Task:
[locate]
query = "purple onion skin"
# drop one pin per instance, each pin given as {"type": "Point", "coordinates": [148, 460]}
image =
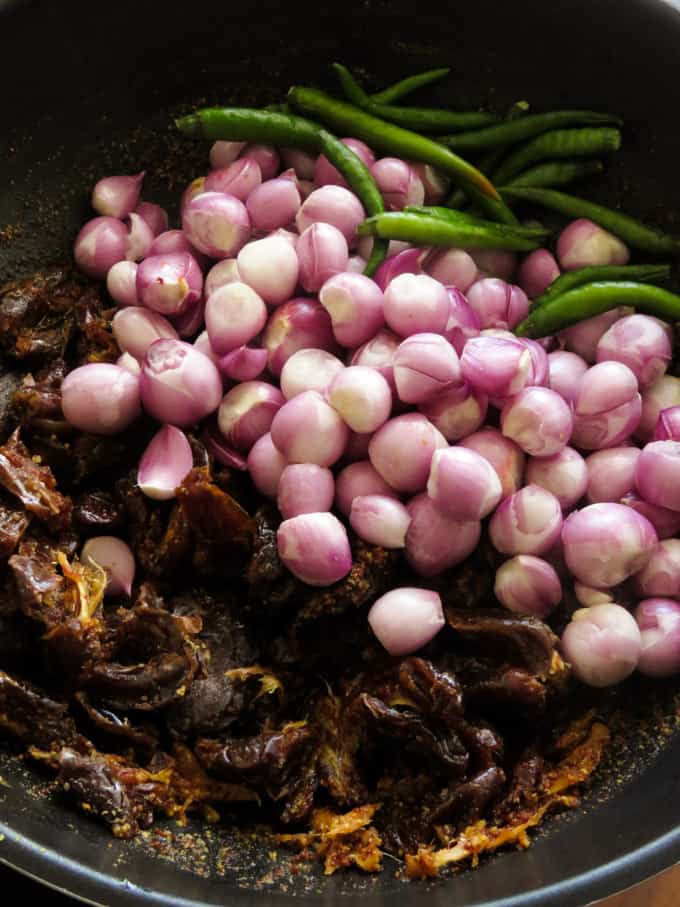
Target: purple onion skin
{"type": "Point", "coordinates": [463, 484]}
{"type": "Point", "coordinates": [169, 284]}
{"type": "Point", "coordinates": [309, 370]}
{"type": "Point", "coordinates": [101, 243]}
{"type": "Point", "coordinates": [322, 253]}
{"type": "Point", "coordinates": [245, 363]}
{"type": "Point", "coordinates": [583, 337]}
{"type": "Point", "coordinates": [273, 204]}
{"type": "Point", "coordinates": [661, 574]}
{"type": "Point", "coordinates": [362, 397]}
{"type": "Point", "coordinates": [266, 158]}
{"type": "Point", "coordinates": [666, 522]}
{"type": "Point", "coordinates": [538, 270]}
{"type": "Point", "coordinates": [406, 619]}
{"type": "Point", "coordinates": [657, 474]}
{"type": "Point", "coordinates": [607, 407]}
{"type": "Point", "coordinates": [455, 268]}
{"type": "Point", "coordinates": [663, 394]}
{"type": "Point", "coordinates": [266, 465]}
{"type": "Point", "coordinates": [659, 623]}
{"type": "Point", "coordinates": [406, 262]}
{"type": "Point", "coordinates": [504, 455]}
{"type": "Point", "coordinates": [217, 224]}
{"type": "Point", "coordinates": [379, 353]}
{"type": "Point", "coordinates": [223, 153]}
{"type": "Point", "coordinates": [247, 411]}
{"type": "Point", "coordinates": [495, 263]}
{"type": "Point", "coordinates": [234, 315]}
{"type": "Point", "coordinates": [333, 205]}
{"type": "Point", "coordinates": [611, 473]}
{"type": "Point", "coordinates": [297, 325]}
{"type": "Point", "coordinates": [218, 448]}
{"type": "Point", "coordinates": [415, 304]}
{"type": "Point", "coordinates": [115, 557]}
{"type": "Point", "coordinates": [668, 425]}
{"type": "Point", "coordinates": [305, 488]}
{"type": "Point", "coordinates": [359, 480]}
{"type": "Point", "coordinates": [583, 244]}
{"type": "Point", "coordinates": [136, 328]}
{"type": "Point", "coordinates": [565, 475]}
{"type": "Point", "coordinates": [498, 367]}
{"type": "Point", "coordinates": [434, 541]}
{"type": "Point", "coordinates": [538, 420]}
{"type": "Point", "coordinates": [355, 305]}
{"type": "Point", "coordinates": [565, 372]}
{"type": "Point", "coordinates": [155, 216]}
{"type": "Point", "coordinates": [401, 451]}
{"type": "Point", "coordinates": [527, 522]}
{"type": "Point", "coordinates": [603, 644]}
{"type": "Point", "coordinates": [462, 323]}
{"type": "Point", "coordinates": [424, 365]}
{"type": "Point", "coordinates": [179, 384]}
{"type": "Point", "coordinates": [308, 430]}
{"type": "Point", "coordinates": [528, 585]}
{"type": "Point", "coordinates": [640, 342]}
{"type": "Point", "coordinates": [604, 544]}
{"type": "Point", "coordinates": [100, 398]}
{"type": "Point", "coordinates": [380, 520]}
{"type": "Point", "coordinates": [165, 464]}
{"type": "Point", "coordinates": [121, 283]}
{"type": "Point", "coordinates": [315, 548]}
{"type": "Point", "coordinates": [497, 304]}
{"type": "Point", "coordinates": [270, 266]}
{"type": "Point", "coordinates": [457, 412]}
{"type": "Point", "coordinates": [117, 196]}
{"type": "Point", "coordinates": [239, 179]}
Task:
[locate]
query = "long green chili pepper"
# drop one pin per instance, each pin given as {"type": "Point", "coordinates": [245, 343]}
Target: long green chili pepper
{"type": "Point", "coordinates": [493, 157]}
{"type": "Point", "coordinates": [349, 120]}
{"type": "Point", "coordinates": [598, 273]}
{"type": "Point", "coordinates": [631, 231]}
{"type": "Point", "coordinates": [557, 173]}
{"type": "Point", "coordinates": [489, 161]}
{"type": "Point", "coordinates": [409, 85]}
{"type": "Point", "coordinates": [526, 128]}
{"type": "Point", "coordinates": [560, 143]}
{"type": "Point", "coordinates": [434, 231]}
{"type": "Point", "coordinates": [591, 299]}
{"type": "Point", "coordinates": [244, 124]}
{"type": "Point", "coordinates": [454, 216]}
{"type": "Point", "coordinates": [420, 119]}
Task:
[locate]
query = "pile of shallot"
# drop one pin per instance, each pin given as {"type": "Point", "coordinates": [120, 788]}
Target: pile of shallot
{"type": "Point", "coordinates": [402, 406]}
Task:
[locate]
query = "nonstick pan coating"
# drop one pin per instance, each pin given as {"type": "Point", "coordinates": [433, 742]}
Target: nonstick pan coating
{"type": "Point", "coordinates": [88, 89]}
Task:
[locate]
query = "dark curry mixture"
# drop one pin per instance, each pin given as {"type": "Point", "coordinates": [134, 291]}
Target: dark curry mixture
{"type": "Point", "coordinates": [224, 679]}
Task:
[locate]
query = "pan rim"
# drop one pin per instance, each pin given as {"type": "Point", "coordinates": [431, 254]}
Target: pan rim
{"type": "Point", "coordinates": [90, 886]}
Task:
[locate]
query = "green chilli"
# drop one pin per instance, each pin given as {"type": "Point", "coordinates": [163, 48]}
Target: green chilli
{"type": "Point", "coordinates": [561, 143]}
{"type": "Point", "coordinates": [591, 299]}
{"type": "Point", "coordinates": [409, 85]}
{"type": "Point", "coordinates": [631, 231]}
{"type": "Point", "coordinates": [424, 230]}
{"type": "Point", "coordinates": [452, 215]}
{"type": "Point", "coordinates": [420, 119]}
{"type": "Point", "coordinates": [528, 127]}
{"type": "Point", "coordinates": [557, 173]}
{"type": "Point", "coordinates": [599, 273]}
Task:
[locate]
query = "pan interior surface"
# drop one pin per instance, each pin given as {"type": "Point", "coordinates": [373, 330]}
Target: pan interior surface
{"type": "Point", "coordinates": [90, 89]}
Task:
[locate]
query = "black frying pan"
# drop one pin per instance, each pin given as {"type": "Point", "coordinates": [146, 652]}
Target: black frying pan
{"type": "Point", "coordinates": [87, 89]}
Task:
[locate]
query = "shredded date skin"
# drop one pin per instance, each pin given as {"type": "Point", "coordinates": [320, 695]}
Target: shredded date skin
{"type": "Point", "coordinates": [224, 679]}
